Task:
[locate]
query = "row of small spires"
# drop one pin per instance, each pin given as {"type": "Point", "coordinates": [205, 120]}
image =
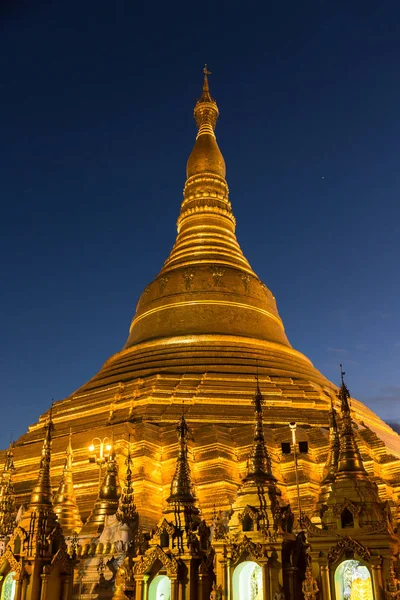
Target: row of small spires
{"type": "Point", "coordinates": [344, 459]}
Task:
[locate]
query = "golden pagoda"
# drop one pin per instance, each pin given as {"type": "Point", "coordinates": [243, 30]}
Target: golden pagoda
{"type": "Point", "coordinates": [201, 332]}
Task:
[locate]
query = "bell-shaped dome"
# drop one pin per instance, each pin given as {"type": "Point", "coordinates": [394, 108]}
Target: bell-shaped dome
{"type": "Point", "coordinates": [206, 285]}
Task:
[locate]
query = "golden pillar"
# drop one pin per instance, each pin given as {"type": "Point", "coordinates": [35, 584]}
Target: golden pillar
{"type": "Point", "coordinates": [325, 582]}
{"type": "Point", "coordinates": [45, 585]}
{"type": "Point", "coordinates": [24, 586]}
{"type": "Point", "coordinates": [229, 573]}
{"type": "Point", "coordinates": [180, 590]}
{"type": "Point", "coordinates": [139, 588]}
{"type": "Point", "coordinates": [174, 588]}
{"type": "Point", "coordinates": [265, 581]}
{"type": "Point", "coordinates": [66, 588]}
{"type": "Point", "coordinates": [222, 578]}
{"type": "Point", "coordinates": [146, 578]}
{"type": "Point", "coordinates": [376, 571]}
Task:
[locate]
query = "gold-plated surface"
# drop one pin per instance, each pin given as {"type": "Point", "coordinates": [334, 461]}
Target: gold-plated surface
{"type": "Point", "coordinates": [7, 495]}
{"type": "Point", "coordinates": [206, 285]}
{"type": "Point", "coordinates": [65, 504]}
{"type": "Point", "coordinates": [201, 331]}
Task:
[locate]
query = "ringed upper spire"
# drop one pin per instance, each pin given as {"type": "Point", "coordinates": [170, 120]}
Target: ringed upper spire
{"type": "Point", "coordinates": [206, 285]}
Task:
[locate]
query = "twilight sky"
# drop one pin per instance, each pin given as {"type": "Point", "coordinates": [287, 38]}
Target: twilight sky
{"type": "Point", "coordinates": [96, 127]}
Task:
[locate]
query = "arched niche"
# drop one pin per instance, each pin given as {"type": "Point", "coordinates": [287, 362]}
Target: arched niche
{"type": "Point", "coordinates": [247, 581]}
{"type": "Point", "coordinates": [346, 518]}
{"type": "Point", "coordinates": [160, 588]}
{"type": "Point", "coordinates": [164, 540]}
{"type": "Point", "coordinates": [247, 523]}
{"type": "Point", "coordinates": [353, 581]}
{"type": "Point", "coordinates": [8, 587]}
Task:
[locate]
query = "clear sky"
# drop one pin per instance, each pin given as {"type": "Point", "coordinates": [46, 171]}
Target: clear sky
{"type": "Point", "coordinates": [96, 126]}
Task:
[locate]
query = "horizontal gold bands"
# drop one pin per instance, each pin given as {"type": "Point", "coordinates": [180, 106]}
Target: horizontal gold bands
{"type": "Point", "coordinates": [226, 303]}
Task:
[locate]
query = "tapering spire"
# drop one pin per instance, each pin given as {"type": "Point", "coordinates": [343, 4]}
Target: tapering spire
{"type": "Point", "coordinates": [42, 495]}
{"type": "Point", "coordinates": [350, 462]}
{"type": "Point", "coordinates": [206, 110]}
{"type": "Point", "coordinates": [107, 499]}
{"type": "Point", "coordinates": [65, 504]}
{"type": "Point", "coordinates": [126, 512]}
{"type": "Point", "coordinates": [7, 498]}
{"type": "Point", "coordinates": [334, 447]}
{"type": "Point", "coordinates": [206, 284]}
{"type": "Point", "coordinates": [259, 468]}
{"type": "Point", "coordinates": [181, 485]}
{"type": "Point", "coordinates": [39, 519]}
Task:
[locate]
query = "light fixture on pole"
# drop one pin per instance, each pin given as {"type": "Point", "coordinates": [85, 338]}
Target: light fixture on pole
{"type": "Point", "coordinates": [99, 452]}
{"type": "Point", "coordinates": [294, 442]}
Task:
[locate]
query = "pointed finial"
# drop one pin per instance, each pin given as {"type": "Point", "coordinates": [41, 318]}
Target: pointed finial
{"type": "Point", "coordinates": [206, 110]}
{"type": "Point", "coordinates": [259, 468]}
{"type": "Point", "coordinates": [350, 461]}
{"type": "Point", "coordinates": [41, 501]}
{"type": "Point", "coordinates": [65, 504]}
{"type": "Point", "coordinates": [126, 512]}
{"type": "Point", "coordinates": [7, 498]}
{"type": "Point", "coordinates": [344, 393]}
{"type": "Point", "coordinates": [206, 89]}
{"type": "Point", "coordinates": [181, 485]}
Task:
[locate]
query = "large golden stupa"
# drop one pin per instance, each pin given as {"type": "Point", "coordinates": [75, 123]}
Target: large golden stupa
{"type": "Point", "coordinates": [202, 331]}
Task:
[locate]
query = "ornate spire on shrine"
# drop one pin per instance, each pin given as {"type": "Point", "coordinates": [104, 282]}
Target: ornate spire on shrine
{"type": "Point", "coordinates": [107, 499]}
{"type": "Point", "coordinates": [127, 512]}
{"type": "Point", "coordinates": [181, 485]}
{"type": "Point", "coordinates": [334, 447]}
{"type": "Point", "coordinates": [7, 497]}
{"type": "Point", "coordinates": [259, 468]}
{"type": "Point", "coordinates": [65, 504]}
{"type": "Point", "coordinates": [350, 463]}
{"type": "Point", "coordinates": [39, 520]}
{"type": "Point", "coordinates": [42, 495]}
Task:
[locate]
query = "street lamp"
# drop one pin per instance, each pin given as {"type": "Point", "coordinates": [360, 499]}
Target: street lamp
{"type": "Point", "coordinates": [99, 452]}
{"type": "Point", "coordinates": [293, 430]}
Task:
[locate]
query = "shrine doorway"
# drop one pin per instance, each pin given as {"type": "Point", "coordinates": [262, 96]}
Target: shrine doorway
{"type": "Point", "coordinates": [160, 588]}
{"type": "Point", "coordinates": [247, 581]}
{"type": "Point", "coordinates": [353, 581]}
{"type": "Point", "coordinates": [8, 587]}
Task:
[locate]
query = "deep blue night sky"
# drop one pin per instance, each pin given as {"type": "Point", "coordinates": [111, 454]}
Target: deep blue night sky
{"type": "Point", "coordinates": [96, 126]}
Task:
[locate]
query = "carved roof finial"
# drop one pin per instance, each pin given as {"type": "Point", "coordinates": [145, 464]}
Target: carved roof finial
{"type": "Point", "coordinates": [42, 495]}
{"type": "Point", "coordinates": [259, 460]}
{"type": "Point", "coordinates": [349, 462]}
{"type": "Point", "coordinates": [181, 485]}
{"type": "Point", "coordinates": [126, 512]}
{"type": "Point", "coordinates": [7, 498]}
